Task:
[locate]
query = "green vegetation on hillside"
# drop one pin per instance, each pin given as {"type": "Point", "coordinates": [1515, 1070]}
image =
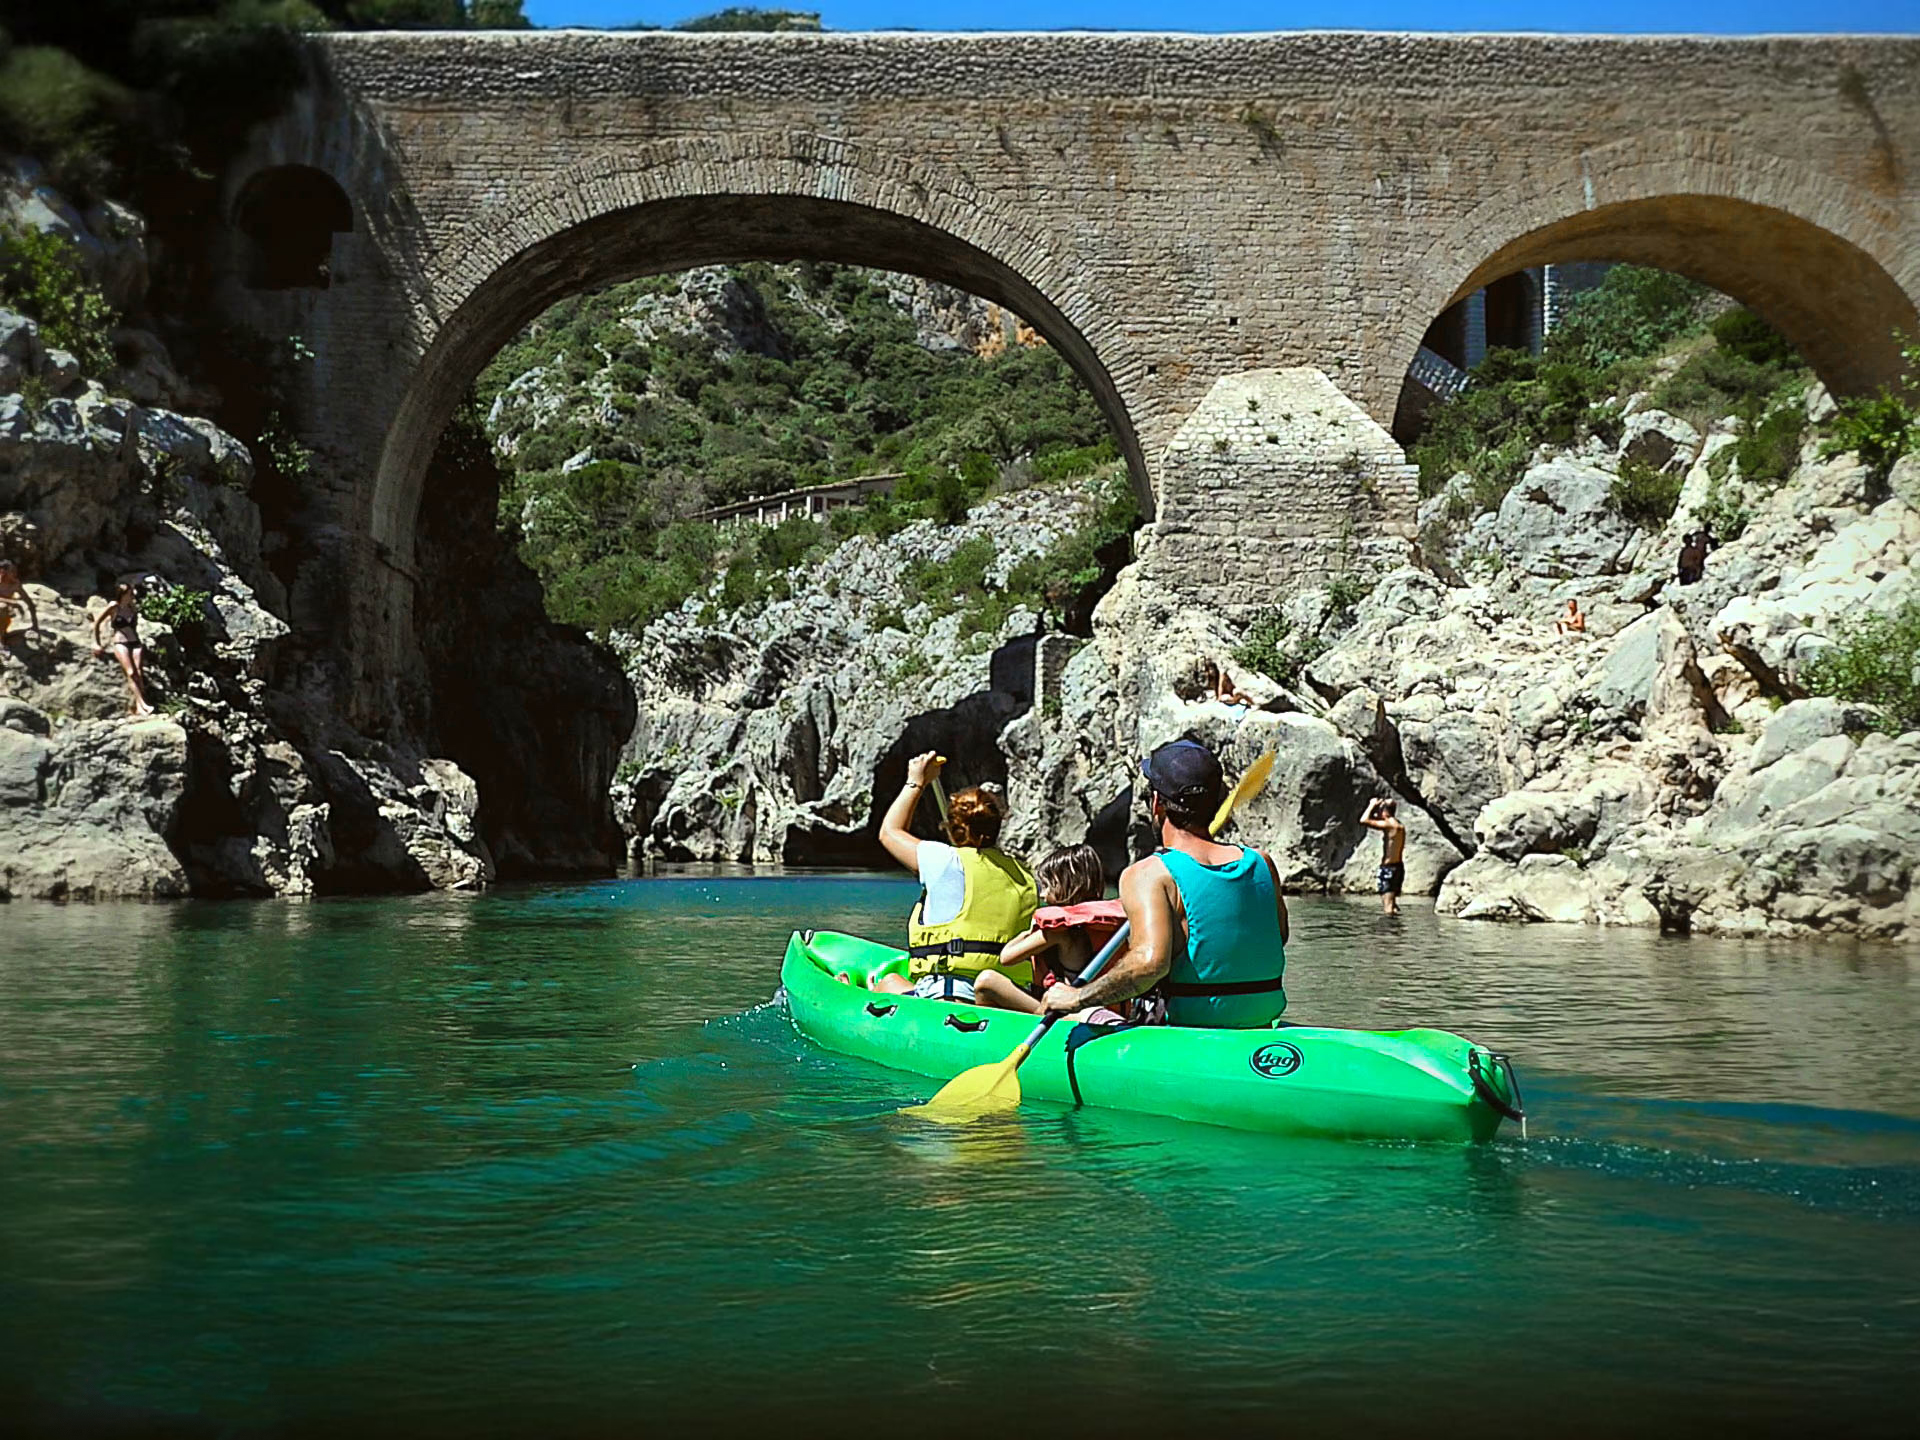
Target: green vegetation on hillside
{"type": "Point", "coordinates": [1639, 330]}
{"type": "Point", "coordinates": [816, 375]}
{"type": "Point", "coordinates": [1884, 426]}
{"type": "Point", "coordinates": [1879, 663]}
{"type": "Point", "coordinates": [41, 277]}
{"type": "Point", "coordinates": [133, 98]}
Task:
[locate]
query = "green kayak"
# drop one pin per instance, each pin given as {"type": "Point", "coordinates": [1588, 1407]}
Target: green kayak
{"type": "Point", "coordinates": [1291, 1079]}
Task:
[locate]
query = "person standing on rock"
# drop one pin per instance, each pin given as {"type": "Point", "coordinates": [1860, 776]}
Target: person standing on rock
{"type": "Point", "coordinates": [1393, 851]}
{"type": "Point", "coordinates": [13, 593]}
{"type": "Point", "coordinates": [127, 646]}
{"type": "Point", "coordinates": [1209, 923]}
{"type": "Point", "coordinates": [973, 897]}
{"type": "Point", "coordinates": [1693, 557]}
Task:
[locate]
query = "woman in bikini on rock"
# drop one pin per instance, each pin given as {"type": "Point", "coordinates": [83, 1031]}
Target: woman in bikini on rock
{"type": "Point", "coordinates": [127, 646]}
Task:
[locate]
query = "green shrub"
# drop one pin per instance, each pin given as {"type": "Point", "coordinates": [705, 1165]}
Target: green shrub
{"type": "Point", "coordinates": [1073, 462]}
{"type": "Point", "coordinates": [284, 450]}
{"type": "Point", "coordinates": [1344, 592]}
{"type": "Point", "coordinates": [1274, 648]}
{"type": "Point", "coordinates": [55, 107]}
{"type": "Point", "coordinates": [42, 277]}
{"type": "Point", "coordinates": [182, 610]}
{"type": "Point", "coordinates": [1644, 495]}
{"type": "Point", "coordinates": [1770, 448]}
{"type": "Point", "coordinates": [1073, 564]}
{"type": "Point", "coordinates": [962, 576]}
{"type": "Point", "coordinates": [1722, 511]}
{"type": "Point", "coordinates": [1878, 663]}
{"type": "Point", "coordinates": [1741, 332]}
{"type": "Point", "coordinates": [1878, 428]}
{"type": "Point", "coordinates": [1632, 312]}
{"type": "Point", "coordinates": [1490, 430]}
{"type": "Point", "coordinates": [751, 18]}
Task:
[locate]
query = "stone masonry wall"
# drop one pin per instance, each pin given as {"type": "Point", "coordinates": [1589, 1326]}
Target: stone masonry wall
{"type": "Point", "coordinates": [1276, 481]}
{"type": "Point", "coordinates": [1168, 210]}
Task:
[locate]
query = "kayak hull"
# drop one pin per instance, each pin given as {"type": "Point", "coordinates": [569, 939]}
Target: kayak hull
{"type": "Point", "coordinates": [1291, 1079]}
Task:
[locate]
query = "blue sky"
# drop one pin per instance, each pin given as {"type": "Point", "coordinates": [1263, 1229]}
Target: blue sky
{"type": "Point", "coordinates": [1621, 16]}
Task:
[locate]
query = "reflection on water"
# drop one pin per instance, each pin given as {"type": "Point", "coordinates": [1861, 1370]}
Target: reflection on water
{"type": "Point", "coordinates": [548, 1158]}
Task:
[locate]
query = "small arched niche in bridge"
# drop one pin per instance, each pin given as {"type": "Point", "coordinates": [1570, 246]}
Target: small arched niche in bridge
{"type": "Point", "coordinates": [680, 234]}
{"type": "Point", "coordinates": [1833, 302]}
{"type": "Point", "coordinates": [287, 217]}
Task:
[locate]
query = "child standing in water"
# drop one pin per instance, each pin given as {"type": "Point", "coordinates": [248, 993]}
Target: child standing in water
{"type": "Point", "coordinates": [1070, 925]}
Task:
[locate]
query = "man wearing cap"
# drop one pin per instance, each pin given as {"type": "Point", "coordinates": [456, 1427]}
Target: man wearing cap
{"type": "Point", "coordinates": [1209, 922]}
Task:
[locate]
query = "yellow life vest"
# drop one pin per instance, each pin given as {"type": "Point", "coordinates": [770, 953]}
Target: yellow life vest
{"type": "Point", "coordinates": [999, 905]}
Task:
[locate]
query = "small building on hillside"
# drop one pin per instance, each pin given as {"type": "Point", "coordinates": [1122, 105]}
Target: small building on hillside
{"type": "Point", "coordinates": [815, 502]}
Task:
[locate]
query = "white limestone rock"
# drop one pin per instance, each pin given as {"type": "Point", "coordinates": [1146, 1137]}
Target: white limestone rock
{"type": "Point", "coordinates": [1662, 441]}
{"type": "Point", "coordinates": [86, 812]}
{"type": "Point", "coordinates": [1558, 521]}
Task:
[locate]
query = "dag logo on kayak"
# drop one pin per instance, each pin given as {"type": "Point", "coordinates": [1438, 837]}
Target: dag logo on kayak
{"type": "Point", "coordinates": [1276, 1060]}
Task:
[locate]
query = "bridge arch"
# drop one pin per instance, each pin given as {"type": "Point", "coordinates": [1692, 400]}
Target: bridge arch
{"type": "Point", "coordinates": [672, 207]}
{"type": "Point", "coordinates": [1835, 277]}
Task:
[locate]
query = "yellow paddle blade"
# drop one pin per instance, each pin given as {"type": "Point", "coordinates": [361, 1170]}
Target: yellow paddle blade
{"type": "Point", "coordinates": [983, 1090]}
{"type": "Point", "coordinates": [1251, 784]}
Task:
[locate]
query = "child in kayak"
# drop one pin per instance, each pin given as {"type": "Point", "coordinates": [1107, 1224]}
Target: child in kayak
{"type": "Point", "coordinates": [1070, 926]}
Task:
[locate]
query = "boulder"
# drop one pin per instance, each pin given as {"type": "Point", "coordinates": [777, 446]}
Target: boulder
{"type": "Point", "coordinates": [1452, 759]}
{"type": "Point", "coordinates": [1799, 725]}
{"type": "Point", "coordinates": [400, 821]}
{"type": "Point", "coordinates": [1308, 816]}
{"type": "Point", "coordinates": [1558, 521]}
{"type": "Point", "coordinates": [109, 238]}
{"type": "Point", "coordinates": [1538, 888]}
{"type": "Point", "coordinates": [1533, 823]}
{"type": "Point", "coordinates": [1649, 674]}
{"type": "Point", "coordinates": [146, 374]}
{"type": "Point", "coordinates": [1657, 439]}
{"type": "Point", "coordinates": [86, 812]}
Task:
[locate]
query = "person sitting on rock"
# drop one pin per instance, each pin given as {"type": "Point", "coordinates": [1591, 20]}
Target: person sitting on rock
{"type": "Point", "coordinates": [1071, 923]}
{"type": "Point", "coordinates": [1573, 622]}
{"type": "Point", "coordinates": [1209, 923]}
{"type": "Point", "coordinates": [12, 594]}
{"type": "Point", "coordinates": [1223, 689]}
{"type": "Point", "coordinates": [127, 646]}
{"type": "Point", "coordinates": [973, 897]}
{"type": "Point", "coordinates": [1393, 851]}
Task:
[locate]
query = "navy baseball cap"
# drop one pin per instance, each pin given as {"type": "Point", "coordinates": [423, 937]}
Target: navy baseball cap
{"type": "Point", "coordinates": [1184, 770]}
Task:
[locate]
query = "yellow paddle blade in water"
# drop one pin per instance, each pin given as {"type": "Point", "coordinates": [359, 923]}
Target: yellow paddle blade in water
{"type": "Point", "coordinates": [974, 1093]}
{"type": "Point", "coordinates": [1250, 785]}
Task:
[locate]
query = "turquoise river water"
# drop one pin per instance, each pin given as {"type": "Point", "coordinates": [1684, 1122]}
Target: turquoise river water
{"type": "Point", "coordinates": [553, 1161]}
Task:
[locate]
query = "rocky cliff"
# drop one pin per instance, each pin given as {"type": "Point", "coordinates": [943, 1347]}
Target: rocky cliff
{"type": "Point", "coordinates": [1664, 767]}
{"type": "Point", "coordinates": [246, 781]}
{"type": "Point", "coordinates": [767, 734]}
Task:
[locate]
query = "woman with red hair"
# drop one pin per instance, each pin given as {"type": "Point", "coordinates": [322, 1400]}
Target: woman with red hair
{"type": "Point", "coordinates": [973, 897]}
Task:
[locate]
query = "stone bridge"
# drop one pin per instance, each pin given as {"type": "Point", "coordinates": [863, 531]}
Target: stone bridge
{"type": "Point", "coordinates": [1182, 217]}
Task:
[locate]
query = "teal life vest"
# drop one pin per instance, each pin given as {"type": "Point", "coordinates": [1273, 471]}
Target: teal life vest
{"type": "Point", "coordinates": [1232, 976]}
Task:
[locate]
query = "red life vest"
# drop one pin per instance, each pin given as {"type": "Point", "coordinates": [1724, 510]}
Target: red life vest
{"type": "Point", "coordinates": [1100, 917]}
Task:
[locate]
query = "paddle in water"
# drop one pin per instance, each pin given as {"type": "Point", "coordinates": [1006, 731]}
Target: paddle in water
{"type": "Point", "coordinates": [989, 1089]}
